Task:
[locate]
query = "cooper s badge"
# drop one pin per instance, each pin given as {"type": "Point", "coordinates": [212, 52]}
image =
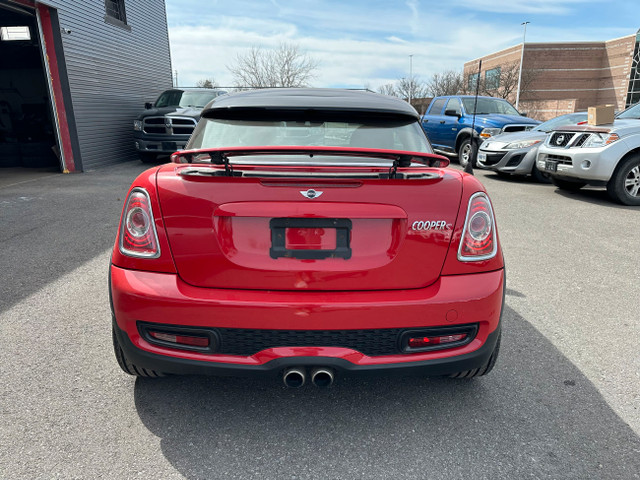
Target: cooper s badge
{"type": "Point", "coordinates": [421, 225]}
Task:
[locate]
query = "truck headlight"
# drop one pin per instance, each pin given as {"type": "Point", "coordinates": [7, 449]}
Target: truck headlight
{"type": "Point", "coordinates": [600, 140]}
{"type": "Point", "coordinates": [137, 125]}
{"type": "Point", "coordinates": [523, 144]}
{"type": "Point", "coordinates": [489, 132]}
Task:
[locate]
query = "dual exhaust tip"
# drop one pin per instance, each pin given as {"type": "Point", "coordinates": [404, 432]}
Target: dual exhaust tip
{"type": "Point", "coordinates": [296, 377]}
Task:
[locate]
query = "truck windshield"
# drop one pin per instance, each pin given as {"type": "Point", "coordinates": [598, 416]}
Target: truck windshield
{"type": "Point", "coordinates": [404, 135]}
{"type": "Point", "coordinates": [488, 105]}
{"type": "Point", "coordinates": [180, 98]}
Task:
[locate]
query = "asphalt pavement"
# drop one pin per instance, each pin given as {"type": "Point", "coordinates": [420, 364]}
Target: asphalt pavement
{"type": "Point", "coordinates": [562, 403]}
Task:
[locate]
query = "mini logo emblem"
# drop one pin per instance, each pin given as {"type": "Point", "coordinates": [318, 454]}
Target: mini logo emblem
{"type": "Point", "coordinates": [559, 140]}
{"type": "Point", "coordinates": [311, 193]}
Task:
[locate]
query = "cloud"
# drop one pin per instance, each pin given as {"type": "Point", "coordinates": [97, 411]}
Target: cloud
{"type": "Point", "coordinates": [395, 39]}
{"type": "Point", "coordinates": [547, 7]}
{"type": "Point", "coordinates": [362, 43]}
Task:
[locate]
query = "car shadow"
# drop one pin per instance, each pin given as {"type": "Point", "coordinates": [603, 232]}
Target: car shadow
{"type": "Point", "coordinates": [51, 225]}
{"type": "Point", "coordinates": [594, 196]}
{"type": "Point", "coordinates": [535, 416]}
{"type": "Point", "coordinates": [523, 179]}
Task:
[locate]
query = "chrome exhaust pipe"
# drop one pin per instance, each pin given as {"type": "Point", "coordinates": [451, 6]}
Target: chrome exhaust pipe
{"type": "Point", "coordinates": [322, 377]}
{"type": "Point", "coordinates": [294, 377]}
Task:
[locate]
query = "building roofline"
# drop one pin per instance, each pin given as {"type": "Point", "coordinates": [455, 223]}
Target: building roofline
{"type": "Point", "coordinates": [603, 42]}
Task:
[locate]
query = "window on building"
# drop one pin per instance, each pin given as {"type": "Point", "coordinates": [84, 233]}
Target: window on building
{"type": "Point", "coordinates": [473, 81]}
{"type": "Point", "coordinates": [633, 93]}
{"type": "Point", "coordinates": [8, 34]}
{"type": "Point", "coordinates": [492, 78]}
{"type": "Point", "coordinates": [115, 9]}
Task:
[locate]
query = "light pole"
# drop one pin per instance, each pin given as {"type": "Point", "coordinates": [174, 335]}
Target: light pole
{"type": "Point", "coordinates": [524, 36]}
{"type": "Point", "coordinates": [410, 77]}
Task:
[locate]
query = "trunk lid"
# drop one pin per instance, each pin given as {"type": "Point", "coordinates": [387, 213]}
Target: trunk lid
{"type": "Point", "coordinates": [321, 234]}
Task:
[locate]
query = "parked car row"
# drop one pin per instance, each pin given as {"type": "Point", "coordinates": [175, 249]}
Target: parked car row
{"type": "Point", "coordinates": [565, 150]}
{"type": "Point", "coordinates": [515, 153]}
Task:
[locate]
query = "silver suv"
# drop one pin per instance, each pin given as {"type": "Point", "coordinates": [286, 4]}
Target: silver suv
{"type": "Point", "coordinates": [603, 155]}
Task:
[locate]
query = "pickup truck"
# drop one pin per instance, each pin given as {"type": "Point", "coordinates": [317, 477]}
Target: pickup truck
{"type": "Point", "coordinates": [166, 125]}
{"type": "Point", "coordinates": [448, 123]}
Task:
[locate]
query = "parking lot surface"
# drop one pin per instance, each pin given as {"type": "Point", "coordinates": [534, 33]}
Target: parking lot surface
{"type": "Point", "coordinates": [562, 402]}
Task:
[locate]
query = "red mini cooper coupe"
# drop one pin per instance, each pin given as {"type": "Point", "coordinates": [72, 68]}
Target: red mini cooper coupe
{"type": "Point", "coordinates": [307, 233]}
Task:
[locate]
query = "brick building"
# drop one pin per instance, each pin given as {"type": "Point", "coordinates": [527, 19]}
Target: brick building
{"type": "Point", "coordinates": [562, 78]}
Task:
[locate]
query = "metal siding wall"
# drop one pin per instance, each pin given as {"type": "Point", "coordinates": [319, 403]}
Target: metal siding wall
{"type": "Point", "coordinates": [112, 72]}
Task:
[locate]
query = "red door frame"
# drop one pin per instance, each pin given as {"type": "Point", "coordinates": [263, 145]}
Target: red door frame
{"type": "Point", "coordinates": [53, 71]}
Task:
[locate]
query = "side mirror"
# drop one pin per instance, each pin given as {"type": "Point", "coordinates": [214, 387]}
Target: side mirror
{"type": "Point", "coordinates": [452, 113]}
{"type": "Point", "coordinates": [523, 114]}
{"type": "Point", "coordinates": [148, 106]}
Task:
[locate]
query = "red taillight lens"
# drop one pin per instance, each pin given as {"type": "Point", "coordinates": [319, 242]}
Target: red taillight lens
{"type": "Point", "coordinates": [138, 236]}
{"type": "Point", "coordinates": [479, 240]}
{"type": "Point", "coordinates": [420, 342]}
{"type": "Point", "coordinates": [181, 339]}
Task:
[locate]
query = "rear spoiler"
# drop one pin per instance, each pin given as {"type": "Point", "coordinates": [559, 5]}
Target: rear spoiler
{"type": "Point", "coordinates": [221, 156]}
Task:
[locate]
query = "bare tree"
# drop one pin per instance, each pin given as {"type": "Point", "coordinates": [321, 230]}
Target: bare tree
{"type": "Point", "coordinates": [388, 89]}
{"type": "Point", "coordinates": [405, 88]}
{"type": "Point", "coordinates": [286, 66]}
{"type": "Point", "coordinates": [449, 82]}
{"type": "Point", "coordinates": [206, 83]}
{"type": "Point", "coordinates": [410, 88]}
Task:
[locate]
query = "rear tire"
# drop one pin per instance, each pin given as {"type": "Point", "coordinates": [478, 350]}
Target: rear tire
{"type": "Point", "coordinates": [538, 176]}
{"type": "Point", "coordinates": [126, 365]}
{"type": "Point", "coordinates": [567, 184]}
{"type": "Point", "coordinates": [484, 369]}
{"type": "Point", "coordinates": [624, 185]}
{"type": "Point", "coordinates": [147, 157]}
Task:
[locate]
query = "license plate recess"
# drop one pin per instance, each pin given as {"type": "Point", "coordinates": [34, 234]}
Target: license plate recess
{"type": "Point", "coordinates": [279, 226]}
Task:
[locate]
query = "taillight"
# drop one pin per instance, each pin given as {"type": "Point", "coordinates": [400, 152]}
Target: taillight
{"type": "Point", "coordinates": [138, 236]}
{"type": "Point", "coordinates": [479, 241]}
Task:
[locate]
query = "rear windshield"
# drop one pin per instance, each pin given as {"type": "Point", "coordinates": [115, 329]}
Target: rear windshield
{"type": "Point", "coordinates": [404, 135]}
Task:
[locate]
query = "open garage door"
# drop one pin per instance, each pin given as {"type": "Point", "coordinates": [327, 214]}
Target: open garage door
{"type": "Point", "coordinates": [34, 126]}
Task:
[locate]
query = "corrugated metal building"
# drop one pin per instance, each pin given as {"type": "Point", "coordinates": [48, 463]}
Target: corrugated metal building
{"type": "Point", "coordinates": [73, 76]}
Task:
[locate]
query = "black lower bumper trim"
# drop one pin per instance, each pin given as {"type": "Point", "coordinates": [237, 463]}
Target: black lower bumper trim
{"type": "Point", "coordinates": [173, 365]}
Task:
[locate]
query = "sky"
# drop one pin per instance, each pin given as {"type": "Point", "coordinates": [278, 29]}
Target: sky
{"type": "Point", "coordinates": [368, 43]}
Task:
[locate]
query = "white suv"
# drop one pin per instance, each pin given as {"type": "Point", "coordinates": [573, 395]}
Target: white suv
{"type": "Point", "coordinates": [603, 155]}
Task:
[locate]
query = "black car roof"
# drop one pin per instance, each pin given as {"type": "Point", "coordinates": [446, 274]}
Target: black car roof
{"type": "Point", "coordinates": [314, 99]}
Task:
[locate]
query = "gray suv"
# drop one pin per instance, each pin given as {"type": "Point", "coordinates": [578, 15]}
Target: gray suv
{"type": "Point", "coordinates": [602, 155]}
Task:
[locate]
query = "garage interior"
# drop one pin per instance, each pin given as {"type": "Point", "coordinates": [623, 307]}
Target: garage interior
{"type": "Point", "coordinates": [27, 132]}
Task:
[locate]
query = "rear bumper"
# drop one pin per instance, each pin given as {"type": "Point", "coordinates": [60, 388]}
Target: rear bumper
{"type": "Point", "coordinates": [164, 299]}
